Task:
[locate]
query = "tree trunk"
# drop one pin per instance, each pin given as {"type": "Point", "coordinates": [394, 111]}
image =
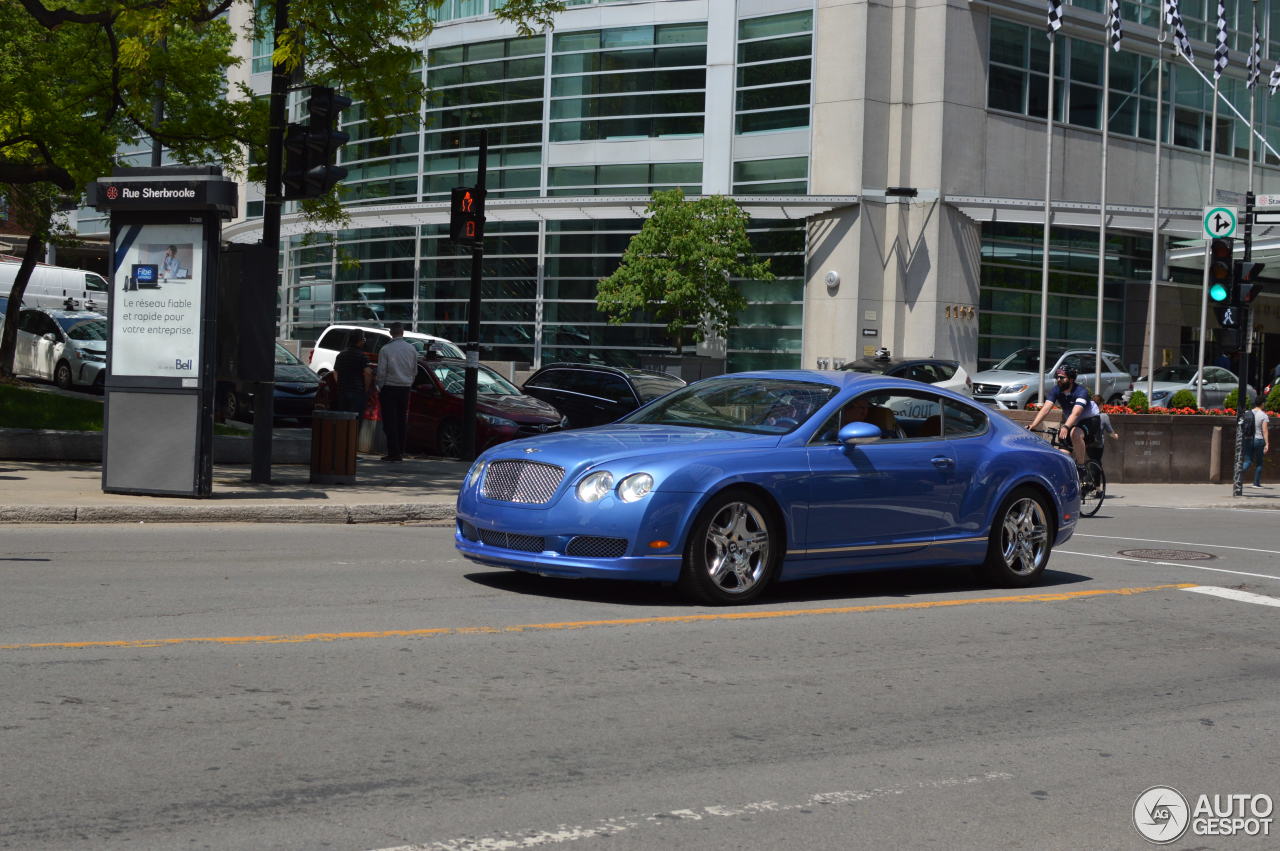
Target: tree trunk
{"type": "Point", "coordinates": [9, 339]}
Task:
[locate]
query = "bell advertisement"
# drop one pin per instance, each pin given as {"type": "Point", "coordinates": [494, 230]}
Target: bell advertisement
{"type": "Point", "coordinates": [156, 301]}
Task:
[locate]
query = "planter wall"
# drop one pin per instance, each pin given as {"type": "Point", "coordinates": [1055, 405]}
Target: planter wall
{"type": "Point", "coordinates": [21, 444]}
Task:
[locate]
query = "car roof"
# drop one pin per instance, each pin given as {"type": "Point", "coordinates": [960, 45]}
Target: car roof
{"type": "Point", "coordinates": [617, 370]}
{"type": "Point", "coordinates": [381, 330]}
{"type": "Point", "coordinates": [889, 363]}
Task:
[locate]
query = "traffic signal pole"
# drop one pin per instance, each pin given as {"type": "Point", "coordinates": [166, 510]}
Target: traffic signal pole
{"type": "Point", "coordinates": [1246, 332]}
{"type": "Point", "coordinates": [470, 386]}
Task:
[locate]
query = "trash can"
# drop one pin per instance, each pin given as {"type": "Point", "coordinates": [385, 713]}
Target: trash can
{"type": "Point", "coordinates": [333, 447]}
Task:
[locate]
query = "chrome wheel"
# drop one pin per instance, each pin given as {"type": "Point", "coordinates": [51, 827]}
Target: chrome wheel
{"type": "Point", "coordinates": [1024, 538]}
{"type": "Point", "coordinates": [62, 375]}
{"type": "Point", "coordinates": [736, 548]}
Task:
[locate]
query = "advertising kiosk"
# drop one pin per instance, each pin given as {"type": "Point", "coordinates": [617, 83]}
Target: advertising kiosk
{"type": "Point", "coordinates": [166, 225]}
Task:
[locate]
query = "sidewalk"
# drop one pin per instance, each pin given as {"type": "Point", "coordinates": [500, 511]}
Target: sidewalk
{"type": "Point", "coordinates": [64, 492]}
{"type": "Point", "coordinates": [418, 489]}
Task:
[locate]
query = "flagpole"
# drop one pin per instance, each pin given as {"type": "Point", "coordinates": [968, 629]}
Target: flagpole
{"type": "Point", "coordinates": [1204, 281]}
{"type": "Point", "coordinates": [1157, 256]}
{"type": "Point", "coordinates": [1044, 262]}
{"type": "Point", "coordinates": [1102, 214]}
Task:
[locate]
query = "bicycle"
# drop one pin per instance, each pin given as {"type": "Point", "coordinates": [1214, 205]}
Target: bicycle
{"type": "Point", "coordinates": [1093, 481]}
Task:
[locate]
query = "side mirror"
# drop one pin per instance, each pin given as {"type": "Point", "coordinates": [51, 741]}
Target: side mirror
{"type": "Point", "coordinates": [50, 336]}
{"type": "Point", "coordinates": [856, 434]}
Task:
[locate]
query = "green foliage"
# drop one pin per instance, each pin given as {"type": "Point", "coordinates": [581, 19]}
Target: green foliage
{"type": "Point", "coordinates": [1232, 398]}
{"type": "Point", "coordinates": [681, 265]}
{"type": "Point", "coordinates": [1272, 402]}
{"type": "Point", "coordinates": [1182, 399]}
{"type": "Point", "coordinates": [24, 407]}
{"type": "Point", "coordinates": [1138, 402]}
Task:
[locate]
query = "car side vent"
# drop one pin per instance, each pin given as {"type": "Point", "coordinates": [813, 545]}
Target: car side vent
{"type": "Point", "coordinates": [521, 481]}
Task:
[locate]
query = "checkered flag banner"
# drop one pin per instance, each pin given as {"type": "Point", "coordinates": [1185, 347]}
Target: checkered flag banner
{"type": "Point", "coordinates": [1114, 33]}
{"type": "Point", "coordinates": [1220, 52]}
{"type": "Point", "coordinates": [1173, 18]}
{"type": "Point", "coordinates": [1274, 82]}
{"type": "Point", "coordinates": [1055, 16]}
{"type": "Point", "coordinates": [1255, 60]}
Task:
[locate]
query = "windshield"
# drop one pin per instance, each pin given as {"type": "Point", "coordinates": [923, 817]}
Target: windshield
{"type": "Point", "coordinates": [453, 378]}
{"type": "Point", "coordinates": [441, 347]}
{"type": "Point", "coordinates": [755, 405]}
{"type": "Point", "coordinates": [95, 283]}
{"type": "Point", "coordinates": [84, 329]}
{"type": "Point", "coordinates": [1181, 373]}
{"type": "Point", "coordinates": [652, 386]}
{"type": "Point", "coordinates": [1027, 360]}
{"type": "Point", "coordinates": [284, 357]}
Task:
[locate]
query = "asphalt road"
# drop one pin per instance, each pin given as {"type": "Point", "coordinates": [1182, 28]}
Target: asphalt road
{"type": "Point", "coordinates": [362, 688]}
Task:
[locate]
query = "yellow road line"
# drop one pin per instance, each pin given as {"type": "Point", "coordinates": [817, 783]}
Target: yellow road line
{"type": "Point", "coordinates": [1047, 597]}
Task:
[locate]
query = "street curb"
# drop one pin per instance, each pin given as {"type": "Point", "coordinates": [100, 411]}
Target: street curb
{"type": "Point", "coordinates": [366, 513]}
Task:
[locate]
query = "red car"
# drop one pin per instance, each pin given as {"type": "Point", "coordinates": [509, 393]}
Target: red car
{"type": "Point", "coordinates": [435, 409]}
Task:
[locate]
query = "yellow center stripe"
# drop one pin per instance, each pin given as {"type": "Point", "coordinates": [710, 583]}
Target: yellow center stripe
{"type": "Point", "coordinates": [1047, 597]}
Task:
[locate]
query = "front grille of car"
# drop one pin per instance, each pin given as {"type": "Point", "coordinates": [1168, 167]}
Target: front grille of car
{"type": "Point", "coordinates": [590, 546]}
{"type": "Point", "coordinates": [521, 481]}
{"type": "Point", "coordinates": [512, 541]}
{"type": "Point", "coordinates": [986, 389]}
{"type": "Point", "coordinates": [527, 430]}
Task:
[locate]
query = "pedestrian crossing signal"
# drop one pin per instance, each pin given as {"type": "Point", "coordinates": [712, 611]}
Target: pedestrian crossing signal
{"type": "Point", "coordinates": [466, 215]}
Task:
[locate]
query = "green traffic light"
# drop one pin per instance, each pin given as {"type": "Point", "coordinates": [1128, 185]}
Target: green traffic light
{"type": "Point", "coordinates": [1219, 292]}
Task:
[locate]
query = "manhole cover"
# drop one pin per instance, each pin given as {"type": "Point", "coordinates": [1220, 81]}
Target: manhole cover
{"type": "Point", "coordinates": [1167, 555]}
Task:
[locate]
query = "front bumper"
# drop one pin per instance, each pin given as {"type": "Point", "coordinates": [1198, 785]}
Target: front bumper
{"type": "Point", "coordinates": [549, 562]}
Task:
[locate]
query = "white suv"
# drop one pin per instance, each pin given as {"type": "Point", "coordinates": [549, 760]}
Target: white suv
{"type": "Point", "coordinates": [1012, 384]}
{"type": "Point", "coordinates": [334, 340]}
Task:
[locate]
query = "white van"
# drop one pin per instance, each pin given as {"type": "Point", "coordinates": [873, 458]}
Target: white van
{"type": "Point", "coordinates": [51, 286]}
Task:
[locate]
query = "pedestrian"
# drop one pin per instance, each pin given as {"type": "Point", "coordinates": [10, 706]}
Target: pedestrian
{"type": "Point", "coordinates": [1256, 447]}
{"type": "Point", "coordinates": [354, 373]}
{"type": "Point", "coordinates": [1105, 430]}
{"type": "Point", "coordinates": [397, 367]}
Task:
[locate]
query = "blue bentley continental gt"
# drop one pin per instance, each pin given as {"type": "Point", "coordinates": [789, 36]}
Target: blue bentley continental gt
{"type": "Point", "coordinates": [733, 482]}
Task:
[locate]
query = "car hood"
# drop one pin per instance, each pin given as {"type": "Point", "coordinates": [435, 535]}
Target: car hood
{"type": "Point", "coordinates": [295, 374]}
{"type": "Point", "coordinates": [1002, 376]}
{"type": "Point", "coordinates": [626, 447]}
{"type": "Point", "coordinates": [95, 346]}
{"type": "Point", "coordinates": [522, 409]}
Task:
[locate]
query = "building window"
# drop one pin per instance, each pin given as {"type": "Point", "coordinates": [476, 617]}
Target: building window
{"type": "Point", "coordinates": [779, 176]}
{"type": "Point", "coordinates": [775, 61]}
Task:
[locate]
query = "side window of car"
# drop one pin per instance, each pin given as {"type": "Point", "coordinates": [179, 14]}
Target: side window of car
{"type": "Point", "coordinates": [944, 371]}
{"type": "Point", "coordinates": [551, 379]}
{"type": "Point", "coordinates": [334, 338]}
{"type": "Point", "coordinates": [29, 321]}
{"type": "Point", "coordinates": [615, 389]}
{"type": "Point", "coordinates": [961, 420]}
{"type": "Point", "coordinates": [590, 382]}
{"type": "Point", "coordinates": [374, 342]}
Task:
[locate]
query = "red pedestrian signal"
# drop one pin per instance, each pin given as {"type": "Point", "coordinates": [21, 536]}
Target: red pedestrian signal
{"type": "Point", "coordinates": [466, 215]}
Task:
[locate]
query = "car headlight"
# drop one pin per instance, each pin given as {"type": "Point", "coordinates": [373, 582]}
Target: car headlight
{"type": "Point", "coordinates": [595, 486]}
{"type": "Point", "coordinates": [499, 422]}
{"type": "Point", "coordinates": [634, 487]}
{"type": "Point", "coordinates": [473, 476]}
{"type": "Point", "coordinates": [1159, 394]}
{"type": "Point", "coordinates": [1014, 388]}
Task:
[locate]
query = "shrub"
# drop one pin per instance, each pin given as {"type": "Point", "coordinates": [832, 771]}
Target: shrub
{"type": "Point", "coordinates": [1272, 402]}
{"type": "Point", "coordinates": [1183, 399]}
{"type": "Point", "coordinates": [1138, 402]}
{"type": "Point", "coordinates": [1232, 398]}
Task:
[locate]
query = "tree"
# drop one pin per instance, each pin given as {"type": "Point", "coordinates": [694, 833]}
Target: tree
{"type": "Point", "coordinates": [681, 266]}
{"type": "Point", "coordinates": [84, 79]}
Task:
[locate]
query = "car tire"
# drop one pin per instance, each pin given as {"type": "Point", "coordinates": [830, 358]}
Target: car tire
{"type": "Point", "coordinates": [62, 375]}
{"type": "Point", "coordinates": [1021, 539]}
{"type": "Point", "coordinates": [449, 440]}
{"type": "Point", "coordinates": [733, 551]}
{"type": "Point", "coordinates": [229, 404]}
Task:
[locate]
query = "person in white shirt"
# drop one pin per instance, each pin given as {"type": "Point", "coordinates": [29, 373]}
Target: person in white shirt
{"type": "Point", "coordinates": [397, 367]}
{"type": "Point", "coordinates": [1254, 450]}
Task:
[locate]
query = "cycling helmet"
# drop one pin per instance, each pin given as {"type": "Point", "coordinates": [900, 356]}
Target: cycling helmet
{"type": "Point", "coordinates": [882, 353]}
{"type": "Point", "coordinates": [1068, 371]}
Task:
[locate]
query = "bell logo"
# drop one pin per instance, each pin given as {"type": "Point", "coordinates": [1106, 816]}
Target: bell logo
{"type": "Point", "coordinates": [179, 363]}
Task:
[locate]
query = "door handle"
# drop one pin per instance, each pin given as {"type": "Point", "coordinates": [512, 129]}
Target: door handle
{"type": "Point", "coordinates": [942, 461]}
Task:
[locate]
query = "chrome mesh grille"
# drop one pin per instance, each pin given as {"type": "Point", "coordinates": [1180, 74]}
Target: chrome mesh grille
{"type": "Point", "coordinates": [986, 389]}
{"type": "Point", "coordinates": [511, 541]}
{"type": "Point", "coordinates": [590, 546]}
{"type": "Point", "coordinates": [521, 481]}
{"type": "Point", "coordinates": [468, 531]}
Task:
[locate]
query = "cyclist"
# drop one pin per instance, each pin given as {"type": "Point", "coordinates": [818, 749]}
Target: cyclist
{"type": "Point", "coordinates": [1080, 416]}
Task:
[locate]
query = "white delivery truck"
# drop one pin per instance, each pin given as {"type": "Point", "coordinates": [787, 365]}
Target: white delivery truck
{"type": "Point", "coordinates": [51, 286]}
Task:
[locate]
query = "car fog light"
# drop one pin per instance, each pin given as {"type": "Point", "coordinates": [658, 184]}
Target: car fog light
{"type": "Point", "coordinates": [635, 487]}
{"type": "Point", "coordinates": [595, 486]}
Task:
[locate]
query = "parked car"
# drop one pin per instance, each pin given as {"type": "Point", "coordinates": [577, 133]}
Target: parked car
{"type": "Point", "coordinates": [732, 482]}
{"type": "Point", "coordinates": [436, 407]}
{"type": "Point", "coordinates": [1167, 380]}
{"type": "Point", "coordinates": [1012, 383]}
{"type": "Point", "coordinates": [294, 395]}
{"type": "Point", "coordinates": [67, 347]}
{"type": "Point", "coordinates": [947, 374]}
{"type": "Point", "coordinates": [593, 394]}
{"type": "Point", "coordinates": [334, 340]}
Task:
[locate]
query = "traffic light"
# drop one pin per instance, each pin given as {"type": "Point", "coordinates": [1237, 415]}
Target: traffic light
{"type": "Point", "coordinates": [1246, 284]}
{"type": "Point", "coordinates": [1229, 340]}
{"type": "Point", "coordinates": [311, 149]}
{"type": "Point", "coordinates": [466, 215]}
{"type": "Point", "coordinates": [1221, 271]}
